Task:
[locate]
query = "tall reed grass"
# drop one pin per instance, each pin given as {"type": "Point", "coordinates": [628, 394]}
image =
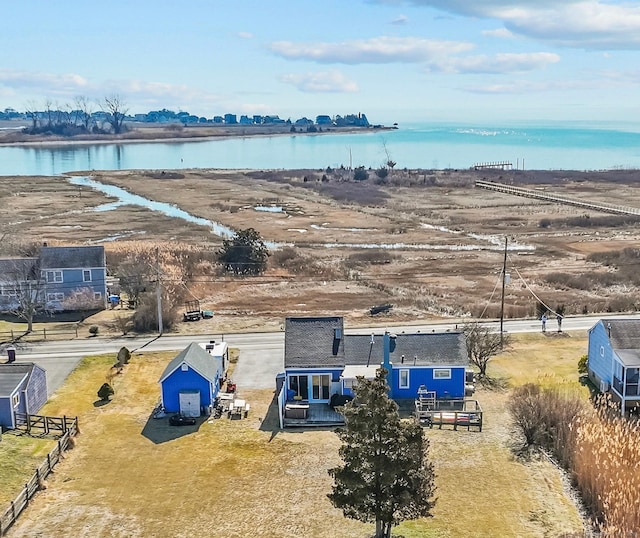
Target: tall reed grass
{"type": "Point", "coordinates": [599, 449]}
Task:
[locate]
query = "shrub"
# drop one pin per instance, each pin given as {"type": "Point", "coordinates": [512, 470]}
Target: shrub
{"type": "Point", "coordinates": [583, 365]}
{"type": "Point", "coordinates": [105, 392]}
{"type": "Point", "coordinates": [93, 330]}
{"type": "Point", "coordinates": [124, 355]}
{"type": "Point", "coordinates": [526, 412]}
{"type": "Point", "coordinates": [545, 417]}
{"type": "Point", "coordinates": [145, 318]}
{"type": "Point", "coordinates": [370, 256]}
{"type": "Point", "coordinates": [382, 172]}
{"type": "Point", "coordinates": [360, 174]}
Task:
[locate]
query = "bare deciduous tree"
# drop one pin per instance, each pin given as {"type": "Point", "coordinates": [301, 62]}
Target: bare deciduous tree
{"type": "Point", "coordinates": [23, 288]}
{"type": "Point", "coordinates": [116, 111]}
{"type": "Point", "coordinates": [82, 299]}
{"type": "Point", "coordinates": [83, 111]}
{"type": "Point", "coordinates": [31, 111]}
{"type": "Point", "coordinates": [483, 344]}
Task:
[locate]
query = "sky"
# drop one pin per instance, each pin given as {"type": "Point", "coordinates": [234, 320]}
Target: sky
{"type": "Point", "coordinates": [395, 60]}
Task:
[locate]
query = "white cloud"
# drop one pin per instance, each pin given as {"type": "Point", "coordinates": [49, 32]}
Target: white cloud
{"type": "Point", "coordinates": [501, 33]}
{"type": "Point", "coordinates": [66, 87]}
{"type": "Point", "coordinates": [499, 63]}
{"type": "Point", "coordinates": [245, 35]}
{"type": "Point", "coordinates": [591, 24]}
{"type": "Point", "coordinates": [525, 87]}
{"type": "Point", "coordinates": [400, 20]}
{"type": "Point", "coordinates": [321, 82]}
{"type": "Point", "coordinates": [55, 83]}
{"type": "Point", "coordinates": [378, 50]}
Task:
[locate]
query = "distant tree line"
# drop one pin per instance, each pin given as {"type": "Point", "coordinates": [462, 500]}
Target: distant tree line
{"type": "Point", "coordinates": [81, 117]}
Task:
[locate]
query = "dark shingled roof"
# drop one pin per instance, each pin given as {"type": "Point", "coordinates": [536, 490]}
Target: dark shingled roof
{"type": "Point", "coordinates": [625, 339]}
{"type": "Point", "coordinates": [311, 342]}
{"type": "Point", "coordinates": [202, 362]}
{"type": "Point", "coordinates": [425, 349]}
{"type": "Point", "coordinates": [11, 375]}
{"type": "Point", "coordinates": [18, 268]}
{"type": "Point", "coordinates": [72, 257]}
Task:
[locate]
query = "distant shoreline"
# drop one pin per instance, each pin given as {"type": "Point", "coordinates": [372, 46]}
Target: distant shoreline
{"type": "Point", "coordinates": [153, 133]}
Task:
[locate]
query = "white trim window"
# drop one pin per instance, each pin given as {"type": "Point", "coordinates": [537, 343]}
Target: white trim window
{"type": "Point", "coordinates": [54, 277]}
{"type": "Point", "coordinates": [51, 297]}
{"type": "Point", "coordinates": [349, 383]}
{"type": "Point", "coordinates": [442, 373]}
{"type": "Point", "coordinates": [86, 275]}
{"type": "Point", "coordinates": [15, 400]}
{"type": "Point", "coordinates": [8, 291]}
{"type": "Point", "coordinates": [403, 379]}
{"type": "Point", "coordinates": [97, 295]}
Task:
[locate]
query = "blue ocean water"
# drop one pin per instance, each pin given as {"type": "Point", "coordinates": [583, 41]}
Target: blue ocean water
{"type": "Point", "coordinates": [575, 146]}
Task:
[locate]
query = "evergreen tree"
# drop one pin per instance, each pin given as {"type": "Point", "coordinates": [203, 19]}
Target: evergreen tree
{"type": "Point", "coordinates": [386, 476]}
{"type": "Point", "coordinates": [244, 254]}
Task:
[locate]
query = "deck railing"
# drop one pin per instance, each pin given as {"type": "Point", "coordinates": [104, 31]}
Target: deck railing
{"type": "Point", "coordinates": [530, 193]}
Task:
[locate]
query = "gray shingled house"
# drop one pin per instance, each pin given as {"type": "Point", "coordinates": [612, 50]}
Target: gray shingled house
{"type": "Point", "coordinates": [320, 361]}
{"type": "Point", "coordinates": [614, 360]}
{"type": "Point", "coordinates": [75, 277]}
{"type": "Point", "coordinates": [23, 389]}
{"type": "Point", "coordinates": [61, 278]}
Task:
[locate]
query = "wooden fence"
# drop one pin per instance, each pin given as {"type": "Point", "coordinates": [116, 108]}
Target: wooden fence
{"type": "Point", "coordinates": [36, 335]}
{"type": "Point", "coordinates": [34, 484]}
{"type": "Point", "coordinates": [45, 424]}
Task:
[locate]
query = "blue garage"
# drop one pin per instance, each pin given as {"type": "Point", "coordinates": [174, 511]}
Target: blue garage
{"type": "Point", "coordinates": [191, 381]}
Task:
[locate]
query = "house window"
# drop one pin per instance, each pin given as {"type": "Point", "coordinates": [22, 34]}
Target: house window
{"type": "Point", "coordinates": [54, 276]}
{"type": "Point", "coordinates": [602, 351]}
{"type": "Point", "coordinates": [52, 297]}
{"type": "Point", "coordinates": [184, 367]}
{"type": "Point", "coordinates": [15, 400]}
{"type": "Point", "coordinates": [86, 275]}
{"type": "Point", "coordinates": [404, 379]}
{"type": "Point", "coordinates": [349, 383]}
{"type": "Point", "coordinates": [442, 373]}
{"type": "Point", "coordinates": [97, 295]}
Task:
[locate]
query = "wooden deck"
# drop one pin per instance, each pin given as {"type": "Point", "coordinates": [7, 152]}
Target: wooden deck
{"type": "Point", "coordinates": [463, 413]}
{"type": "Point", "coordinates": [319, 415]}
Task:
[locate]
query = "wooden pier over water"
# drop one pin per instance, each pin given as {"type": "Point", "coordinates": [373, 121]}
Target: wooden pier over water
{"type": "Point", "coordinates": [530, 193]}
{"type": "Point", "coordinates": [501, 165]}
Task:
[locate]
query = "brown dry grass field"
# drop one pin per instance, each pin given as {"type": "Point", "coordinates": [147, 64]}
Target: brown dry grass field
{"type": "Point", "coordinates": [440, 240]}
{"type": "Point", "coordinates": [130, 475]}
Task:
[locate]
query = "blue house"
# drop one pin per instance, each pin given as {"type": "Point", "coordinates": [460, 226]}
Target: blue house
{"type": "Point", "coordinates": [614, 360]}
{"type": "Point", "coordinates": [23, 389]}
{"type": "Point", "coordinates": [190, 383]}
{"type": "Point", "coordinates": [75, 278]}
{"type": "Point", "coordinates": [321, 361]}
{"type": "Point", "coordinates": [17, 276]}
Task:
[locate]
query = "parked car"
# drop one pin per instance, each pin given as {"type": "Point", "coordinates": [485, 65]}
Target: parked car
{"type": "Point", "coordinates": [179, 420]}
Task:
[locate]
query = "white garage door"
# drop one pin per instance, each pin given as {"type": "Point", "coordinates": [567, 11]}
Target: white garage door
{"type": "Point", "coordinates": [190, 403]}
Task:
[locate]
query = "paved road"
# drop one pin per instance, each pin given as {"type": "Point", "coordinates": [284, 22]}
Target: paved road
{"type": "Point", "coordinates": [261, 354]}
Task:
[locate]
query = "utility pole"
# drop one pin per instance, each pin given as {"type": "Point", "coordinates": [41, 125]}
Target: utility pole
{"type": "Point", "coordinates": [158, 291]}
{"type": "Point", "coordinates": [504, 277]}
